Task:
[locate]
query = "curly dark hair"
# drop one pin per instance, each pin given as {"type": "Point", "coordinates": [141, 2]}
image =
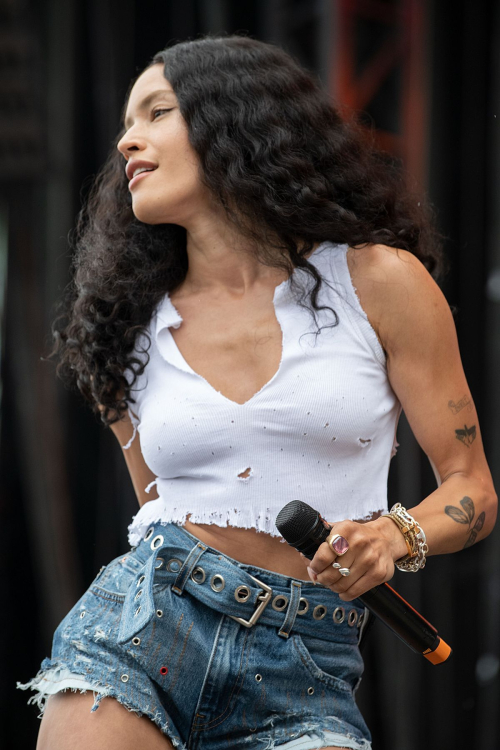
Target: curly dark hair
{"type": "Point", "coordinates": [287, 169]}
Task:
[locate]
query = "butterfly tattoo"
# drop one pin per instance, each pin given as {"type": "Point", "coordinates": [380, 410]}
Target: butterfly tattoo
{"type": "Point", "coordinates": [465, 515]}
{"type": "Point", "coordinates": [467, 435]}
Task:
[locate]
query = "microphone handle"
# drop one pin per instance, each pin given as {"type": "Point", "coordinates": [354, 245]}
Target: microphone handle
{"type": "Point", "coordinates": [401, 618]}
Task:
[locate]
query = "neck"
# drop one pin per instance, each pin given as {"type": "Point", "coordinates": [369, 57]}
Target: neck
{"type": "Point", "coordinates": [220, 261]}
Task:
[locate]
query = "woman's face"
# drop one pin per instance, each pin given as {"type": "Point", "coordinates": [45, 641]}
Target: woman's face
{"type": "Point", "coordinates": [157, 138]}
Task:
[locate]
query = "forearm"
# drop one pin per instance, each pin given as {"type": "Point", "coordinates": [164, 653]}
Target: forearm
{"type": "Point", "coordinates": [461, 512]}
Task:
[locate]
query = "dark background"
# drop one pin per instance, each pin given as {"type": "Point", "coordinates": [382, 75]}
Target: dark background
{"type": "Point", "coordinates": [426, 75]}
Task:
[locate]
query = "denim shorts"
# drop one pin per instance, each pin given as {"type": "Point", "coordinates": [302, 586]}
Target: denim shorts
{"type": "Point", "coordinates": [216, 653]}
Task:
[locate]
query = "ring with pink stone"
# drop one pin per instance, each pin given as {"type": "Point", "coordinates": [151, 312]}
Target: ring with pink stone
{"type": "Point", "coordinates": [338, 544]}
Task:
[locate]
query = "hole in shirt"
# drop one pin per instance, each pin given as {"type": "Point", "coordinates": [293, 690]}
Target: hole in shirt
{"type": "Point", "coordinates": [364, 441]}
{"type": "Point", "coordinates": [246, 474]}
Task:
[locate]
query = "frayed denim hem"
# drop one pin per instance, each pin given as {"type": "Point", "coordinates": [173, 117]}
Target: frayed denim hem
{"type": "Point", "coordinates": [70, 681]}
{"type": "Point", "coordinates": [317, 738]}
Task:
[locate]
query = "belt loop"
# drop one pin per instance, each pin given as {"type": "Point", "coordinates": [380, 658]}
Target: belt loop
{"type": "Point", "coordinates": [187, 567]}
{"type": "Point", "coordinates": [291, 612]}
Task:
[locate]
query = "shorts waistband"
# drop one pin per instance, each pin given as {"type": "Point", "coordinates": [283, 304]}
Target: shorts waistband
{"type": "Point", "coordinates": [248, 594]}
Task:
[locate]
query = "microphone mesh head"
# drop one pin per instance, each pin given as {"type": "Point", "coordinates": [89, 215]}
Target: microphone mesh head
{"type": "Point", "coordinates": [295, 519]}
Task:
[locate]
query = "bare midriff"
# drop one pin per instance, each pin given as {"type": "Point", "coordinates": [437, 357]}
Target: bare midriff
{"type": "Point", "coordinates": [253, 548]}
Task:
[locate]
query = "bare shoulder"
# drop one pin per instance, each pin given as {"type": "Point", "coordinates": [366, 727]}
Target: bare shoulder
{"type": "Point", "coordinates": [378, 270]}
{"type": "Point", "coordinates": [396, 291]}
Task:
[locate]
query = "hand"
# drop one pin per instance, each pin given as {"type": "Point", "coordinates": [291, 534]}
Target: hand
{"type": "Point", "coordinates": [373, 548]}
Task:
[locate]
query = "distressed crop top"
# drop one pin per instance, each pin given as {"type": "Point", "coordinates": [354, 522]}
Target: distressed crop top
{"type": "Point", "coordinates": [321, 430]}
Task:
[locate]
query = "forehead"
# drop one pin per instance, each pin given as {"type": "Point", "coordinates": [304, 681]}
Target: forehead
{"type": "Point", "coordinates": [151, 81]}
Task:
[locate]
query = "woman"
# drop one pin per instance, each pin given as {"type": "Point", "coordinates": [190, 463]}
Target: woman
{"type": "Point", "coordinates": [252, 296]}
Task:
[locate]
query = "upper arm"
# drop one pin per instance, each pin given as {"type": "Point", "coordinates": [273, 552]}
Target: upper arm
{"type": "Point", "coordinates": [414, 324]}
{"type": "Point", "coordinates": [140, 473]}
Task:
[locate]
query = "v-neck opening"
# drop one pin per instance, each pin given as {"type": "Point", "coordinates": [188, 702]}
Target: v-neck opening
{"type": "Point", "coordinates": [171, 318]}
{"type": "Point", "coordinates": [279, 292]}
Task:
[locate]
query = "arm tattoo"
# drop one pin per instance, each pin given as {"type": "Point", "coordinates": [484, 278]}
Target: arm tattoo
{"type": "Point", "coordinates": [466, 516]}
{"type": "Point", "coordinates": [464, 402]}
{"type": "Point", "coordinates": [467, 435]}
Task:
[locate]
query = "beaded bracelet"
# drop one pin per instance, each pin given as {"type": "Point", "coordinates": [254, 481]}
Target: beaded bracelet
{"type": "Point", "coordinates": [416, 542]}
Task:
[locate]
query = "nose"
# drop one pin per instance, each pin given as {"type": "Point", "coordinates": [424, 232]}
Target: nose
{"type": "Point", "coordinates": [129, 143]}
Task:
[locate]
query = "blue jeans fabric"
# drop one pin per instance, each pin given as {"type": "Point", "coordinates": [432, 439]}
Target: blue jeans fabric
{"type": "Point", "coordinates": [155, 630]}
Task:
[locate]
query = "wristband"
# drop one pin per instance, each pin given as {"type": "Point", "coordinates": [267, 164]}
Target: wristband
{"type": "Point", "coordinates": [416, 542]}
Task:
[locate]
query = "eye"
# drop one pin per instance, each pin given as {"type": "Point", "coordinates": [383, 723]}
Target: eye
{"type": "Point", "coordinates": [159, 111]}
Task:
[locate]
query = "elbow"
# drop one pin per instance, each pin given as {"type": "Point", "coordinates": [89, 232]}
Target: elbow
{"type": "Point", "coordinates": [490, 508]}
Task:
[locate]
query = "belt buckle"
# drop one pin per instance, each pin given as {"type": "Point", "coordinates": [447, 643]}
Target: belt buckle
{"type": "Point", "coordinates": [264, 598]}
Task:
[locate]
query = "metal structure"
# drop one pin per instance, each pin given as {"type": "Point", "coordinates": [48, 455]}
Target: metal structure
{"type": "Point", "coordinates": [379, 69]}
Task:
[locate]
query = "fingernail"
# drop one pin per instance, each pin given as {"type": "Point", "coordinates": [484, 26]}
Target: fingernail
{"type": "Point", "coordinates": [312, 574]}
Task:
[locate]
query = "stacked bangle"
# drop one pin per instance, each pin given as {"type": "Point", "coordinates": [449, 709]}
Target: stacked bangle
{"type": "Point", "coordinates": [416, 542]}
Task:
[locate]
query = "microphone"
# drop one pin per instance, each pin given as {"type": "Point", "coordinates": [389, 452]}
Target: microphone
{"type": "Point", "coordinates": [304, 528]}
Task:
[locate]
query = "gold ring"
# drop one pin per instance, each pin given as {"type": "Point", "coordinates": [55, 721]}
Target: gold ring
{"type": "Point", "coordinates": [338, 544]}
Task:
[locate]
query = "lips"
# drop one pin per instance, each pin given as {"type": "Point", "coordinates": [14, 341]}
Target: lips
{"type": "Point", "coordinates": [135, 164]}
{"type": "Point", "coordinates": [137, 178]}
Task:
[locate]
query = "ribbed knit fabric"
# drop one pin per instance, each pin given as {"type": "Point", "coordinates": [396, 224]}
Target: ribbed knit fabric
{"type": "Point", "coordinates": [321, 430]}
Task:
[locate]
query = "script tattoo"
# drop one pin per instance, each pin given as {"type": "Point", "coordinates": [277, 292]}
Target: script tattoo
{"type": "Point", "coordinates": [466, 515]}
{"type": "Point", "coordinates": [464, 402]}
{"type": "Point", "coordinates": [467, 435]}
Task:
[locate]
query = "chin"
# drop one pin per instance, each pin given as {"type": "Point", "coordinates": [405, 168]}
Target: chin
{"type": "Point", "coordinates": [145, 212]}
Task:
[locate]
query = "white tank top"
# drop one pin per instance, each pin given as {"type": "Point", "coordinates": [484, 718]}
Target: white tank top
{"type": "Point", "coordinates": [321, 430]}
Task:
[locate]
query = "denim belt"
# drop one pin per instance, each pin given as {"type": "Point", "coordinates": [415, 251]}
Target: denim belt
{"type": "Point", "coordinates": [227, 587]}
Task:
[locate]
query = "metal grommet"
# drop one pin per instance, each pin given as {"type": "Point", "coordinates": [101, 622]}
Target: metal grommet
{"type": "Point", "coordinates": [310, 690]}
{"type": "Point", "coordinates": [82, 614]}
{"type": "Point", "coordinates": [339, 615]}
{"type": "Point", "coordinates": [137, 611]}
{"type": "Point", "coordinates": [198, 575]}
{"type": "Point", "coordinates": [352, 618]}
{"type": "Point", "coordinates": [319, 612]}
{"type": "Point", "coordinates": [242, 594]}
{"type": "Point", "coordinates": [141, 579]}
{"type": "Point", "coordinates": [174, 565]}
{"type": "Point", "coordinates": [159, 612]}
{"type": "Point", "coordinates": [360, 619]}
{"type": "Point", "coordinates": [158, 539]}
{"type": "Point", "coordinates": [149, 533]}
{"type": "Point", "coordinates": [138, 595]}
{"type": "Point", "coordinates": [258, 678]}
{"type": "Point", "coordinates": [136, 641]}
{"type": "Point", "coordinates": [159, 563]}
{"type": "Point", "coordinates": [217, 583]}
{"type": "Point", "coordinates": [124, 678]}
{"type": "Point", "coordinates": [305, 608]}
{"type": "Point", "coordinates": [280, 602]}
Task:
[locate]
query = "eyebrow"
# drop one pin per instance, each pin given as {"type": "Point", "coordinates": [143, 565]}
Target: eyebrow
{"type": "Point", "coordinates": [147, 101]}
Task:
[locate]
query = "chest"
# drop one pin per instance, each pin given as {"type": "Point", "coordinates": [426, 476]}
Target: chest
{"type": "Point", "coordinates": [235, 346]}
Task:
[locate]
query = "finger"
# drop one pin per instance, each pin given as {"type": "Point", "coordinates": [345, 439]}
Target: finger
{"type": "Point", "coordinates": [334, 580]}
{"type": "Point", "coordinates": [342, 563]}
{"type": "Point", "coordinates": [312, 575]}
{"type": "Point", "coordinates": [371, 578]}
{"type": "Point", "coordinates": [322, 559]}
{"type": "Point", "coordinates": [325, 555]}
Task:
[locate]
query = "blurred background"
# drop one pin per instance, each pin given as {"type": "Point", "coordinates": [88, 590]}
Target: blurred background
{"type": "Point", "coordinates": [426, 76]}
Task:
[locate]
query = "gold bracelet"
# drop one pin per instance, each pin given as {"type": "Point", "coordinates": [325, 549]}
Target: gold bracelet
{"type": "Point", "coordinates": [408, 536]}
{"type": "Point", "coordinates": [414, 536]}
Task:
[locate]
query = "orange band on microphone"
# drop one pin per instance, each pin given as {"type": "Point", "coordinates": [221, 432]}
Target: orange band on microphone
{"type": "Point", "coordinates": [440, 653]}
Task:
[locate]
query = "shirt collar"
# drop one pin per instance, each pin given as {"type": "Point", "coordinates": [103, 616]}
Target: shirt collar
{"type": "Point", "coordinates": [167, 316]}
